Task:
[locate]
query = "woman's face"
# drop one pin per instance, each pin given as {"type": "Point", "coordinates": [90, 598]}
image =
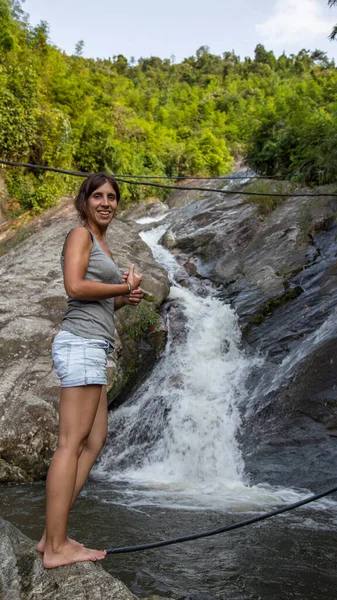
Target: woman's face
{"type": "Point", "coordinates": [102, 205]}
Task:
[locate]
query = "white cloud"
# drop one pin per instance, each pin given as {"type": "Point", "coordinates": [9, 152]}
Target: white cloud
{"type": "Point", "coordinates": [295, 21]}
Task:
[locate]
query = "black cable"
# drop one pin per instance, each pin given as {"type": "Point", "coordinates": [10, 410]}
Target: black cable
{"type": "Point", "coordinates": [12, 163]}
{"type": "Point", "coordinates": [196, 536]}
{"type": "Point", "coordinates": [169, 187]}
{"type": "Point", "coordinates": [175, 177]}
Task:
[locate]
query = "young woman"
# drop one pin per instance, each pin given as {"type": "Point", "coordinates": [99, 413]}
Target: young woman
{"type": "Point", "coordinates": [96, 288]}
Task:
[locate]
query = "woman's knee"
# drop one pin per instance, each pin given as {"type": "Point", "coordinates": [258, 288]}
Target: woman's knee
{"type": "Point", "coordinates": [96, 442]}
{"type": "Point", "coordinates": [72, 445]}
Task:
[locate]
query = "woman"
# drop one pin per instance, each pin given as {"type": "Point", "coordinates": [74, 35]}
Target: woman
{"type": "Point", "coordinates": [95, 288]}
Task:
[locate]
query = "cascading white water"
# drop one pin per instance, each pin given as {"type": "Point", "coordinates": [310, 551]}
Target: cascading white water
{"type": "Point", "coordinates": [202, 377]}
{"type": "Point", "coordinates": [178, 432]}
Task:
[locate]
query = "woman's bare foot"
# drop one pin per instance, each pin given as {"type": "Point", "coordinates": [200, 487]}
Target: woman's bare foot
{"type": "Point", "coordinates": [67, 553]}
{"type": "Point", "coordinates": [42, 543]}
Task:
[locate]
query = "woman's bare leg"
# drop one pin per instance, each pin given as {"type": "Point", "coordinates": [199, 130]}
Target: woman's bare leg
{"type": "Point", "coordinates": [93, 444]}
{"type": "Point", "coordinates": [78, 408]}
{"type": "Point", "coordinates": [91, 449]}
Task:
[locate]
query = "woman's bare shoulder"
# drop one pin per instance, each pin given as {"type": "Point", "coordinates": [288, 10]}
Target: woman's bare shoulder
{"type": "Point", "coordinates": [79, 237]}
{"type": "Point", "coordinates": [79, 233]}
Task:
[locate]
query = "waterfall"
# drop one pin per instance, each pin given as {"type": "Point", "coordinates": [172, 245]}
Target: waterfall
{"type": "Point", "coordinates": [176, 437]}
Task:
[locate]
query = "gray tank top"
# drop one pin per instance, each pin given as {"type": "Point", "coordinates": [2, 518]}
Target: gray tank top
{"type": "Point", "coordinates": [93, 319]}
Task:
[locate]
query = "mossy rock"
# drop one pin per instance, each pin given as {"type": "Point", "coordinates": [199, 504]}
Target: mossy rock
{"type": "Point", "coordinates": [274, 303]}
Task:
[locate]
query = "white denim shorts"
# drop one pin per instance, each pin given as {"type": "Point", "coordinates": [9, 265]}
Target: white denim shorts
{"type": "Point", "coordinates": [80, 361]}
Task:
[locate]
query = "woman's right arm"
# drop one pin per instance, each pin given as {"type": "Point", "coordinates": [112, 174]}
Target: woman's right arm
{"type": "Point", "coordinates": [76, 259]}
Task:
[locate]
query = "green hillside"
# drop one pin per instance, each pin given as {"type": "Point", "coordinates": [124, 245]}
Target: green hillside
{"type": "Point", "coordinates": [154, 117]}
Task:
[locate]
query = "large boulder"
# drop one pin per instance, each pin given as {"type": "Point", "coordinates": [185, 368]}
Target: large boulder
{"type": "Point", "coordinates": [22, 576]}
{"type": "Point", "coordinates": [252, 258]}
{"type": "Point", "coordinates": [32, 302]}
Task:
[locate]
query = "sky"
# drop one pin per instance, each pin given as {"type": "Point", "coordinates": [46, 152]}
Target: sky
{"type": "Point", "coordinates": [176, 29]}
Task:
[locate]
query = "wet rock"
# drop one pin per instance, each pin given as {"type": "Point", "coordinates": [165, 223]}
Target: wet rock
{"type": "Point", "coordinates": [291, 437]}
{"type": "Point", "coordinates": [181, 198]}
{"type": "Point", "coordinates": [10, 473]}
{"type": "Point", "coordinates": [213, 232]}
{"type": "Point", "coordinates": [157, 598]}
{"type": "Point", "coordinates": [252, 258]}
{"type": "Point", "coordinates": [151, 209]}
{"type": "Point", "coordinates": [23, 577]}
{"type": "Point", "coordinates": [143, 215]}
{"type": "Point", "coordinates": [32, 302]}
{"type": "Point", "coordinates": [177, 322]}
{"type": "Point", "coordinates": [289, 324]}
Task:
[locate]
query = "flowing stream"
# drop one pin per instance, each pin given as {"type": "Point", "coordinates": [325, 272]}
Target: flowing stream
{"type": "Point", "coordinates": [175, 440]}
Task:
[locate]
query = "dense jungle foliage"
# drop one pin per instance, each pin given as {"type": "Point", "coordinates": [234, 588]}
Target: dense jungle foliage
{"type": "Point", "coordinates": [154, 117]}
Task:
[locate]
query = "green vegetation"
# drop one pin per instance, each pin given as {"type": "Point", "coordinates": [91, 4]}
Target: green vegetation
{"type": "Point", "coordinates": [266, 203]}
{"type": "Point", "coordinates": [158, 118]}
{"type": "Point", "coordinates": [145, 319]}
{"type": "Point", "coordinates": [130, 371]}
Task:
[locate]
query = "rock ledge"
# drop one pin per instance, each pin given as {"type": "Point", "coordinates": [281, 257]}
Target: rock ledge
{"type": "Point", "coordinates": [22, 576]}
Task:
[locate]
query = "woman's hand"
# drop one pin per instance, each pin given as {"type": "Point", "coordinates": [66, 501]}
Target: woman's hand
{"type": "Point", "coordinates": [132, 300]}
{"type": "Point", "coordinates": [135, 297]}
{"type": "Point", "coordinates": [133, 279]}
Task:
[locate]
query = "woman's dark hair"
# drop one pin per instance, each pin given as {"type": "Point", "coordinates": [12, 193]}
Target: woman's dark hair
{"type": "Point", "coordinates": [87, 188]}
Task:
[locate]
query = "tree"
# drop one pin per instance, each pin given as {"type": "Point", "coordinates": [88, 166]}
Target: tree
{"type": "Point", "coordinates": [264, 57]}
{"type": "Point", "coordinates": [40, 36]}
{"type": "Point", "coordinates": [16, 7]}
{"type": "Point", "coordinates": [79, 47]}
{"type": "Point", "coordinates": [156, 116]}
{"type": "Point", "coordinates": [333, 34]}
{"type": "Point", "coordinates": [121, 63]}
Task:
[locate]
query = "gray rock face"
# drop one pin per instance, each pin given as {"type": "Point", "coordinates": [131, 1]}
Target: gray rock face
{"type": "Point", "coordinates": [32, 302]}
{"type": "Point", "coordinates": [22, 576]}
{"type": "Point", "coordinates": [180, 198]}
{"type": "Point", "coordinates": [152, 209]}
{"type": "Point", "coordinates": [251, 257]}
